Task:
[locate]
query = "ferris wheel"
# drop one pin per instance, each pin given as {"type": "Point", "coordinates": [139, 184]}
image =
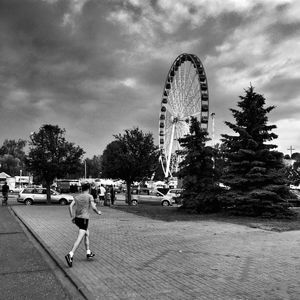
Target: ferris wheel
{"type": "Point", "coordinates": [185, 95]}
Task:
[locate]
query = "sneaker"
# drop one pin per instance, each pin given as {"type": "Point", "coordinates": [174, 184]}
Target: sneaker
{"type": "Point", "coordinates": [69, 260]}
{"type": "Point", "coordinates": [91, 255]}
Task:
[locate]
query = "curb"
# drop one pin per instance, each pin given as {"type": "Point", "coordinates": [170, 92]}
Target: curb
{"type": "Point", "coordinates": [75, 281]}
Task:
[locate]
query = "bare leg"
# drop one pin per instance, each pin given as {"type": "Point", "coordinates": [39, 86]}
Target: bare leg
{"type": "Point", "coordinates": [87, 240]}
{"type": "Point", "coordinates": [81, 234]}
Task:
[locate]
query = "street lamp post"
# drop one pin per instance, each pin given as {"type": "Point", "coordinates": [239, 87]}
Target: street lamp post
{"type": "Point", "coordinates": [213, 128]}
{"type": "Point", "coordinates": [213, 136]}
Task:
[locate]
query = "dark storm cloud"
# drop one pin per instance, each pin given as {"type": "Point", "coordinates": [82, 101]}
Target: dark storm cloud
{"type": "Point", "coordinates": [283, 111]}
{"type": "Point", "coordinates": [283, 28]}
{"type": "Point", "coordinates": [31, 31]}
{"type": "Point", "coordinates": [49, 55]}
{"type": "Point", "coordinates": [99, 67]}
{"type": "Point", "coordinates": [219, 30]}
{"type": "Point", "coordinates": [212, 33]}
{"type": "Point", "coordinates": [155, 71]}
{"type": "Point", "coordinates": [59, 67]}
{"type": "Point", "coordinates": [283, 89]}
{"type": "Point", "coordinates": [281, 31]}
{"type": "Point", "coordinates": [215, 31]}
{"type": "Point", "coordinates": [45, 64]}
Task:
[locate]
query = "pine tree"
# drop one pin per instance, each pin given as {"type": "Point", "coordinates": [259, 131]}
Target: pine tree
{"type": "Point", "coordinates": [197, 171]}
{"type": "Point", "coordinates": [254, 172]}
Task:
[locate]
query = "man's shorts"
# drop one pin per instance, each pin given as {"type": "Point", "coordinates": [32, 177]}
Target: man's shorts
{"type": "Point", "coordinates": [82, 223]}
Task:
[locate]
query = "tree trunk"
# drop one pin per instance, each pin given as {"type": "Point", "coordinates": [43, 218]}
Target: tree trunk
{"type": "Point", "coordinates": [48, 192]}
{"type": "Point", "coordinates": [128, 192]}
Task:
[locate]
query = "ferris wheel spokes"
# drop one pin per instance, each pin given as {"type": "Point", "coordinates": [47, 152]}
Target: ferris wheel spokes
{"type": "Point", "coordinates": [191, 85]}
{"type": "Point", "coordinates": [185, 95]}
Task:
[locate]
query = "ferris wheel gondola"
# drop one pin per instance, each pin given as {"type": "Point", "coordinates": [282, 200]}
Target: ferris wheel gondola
{"type": "Point", "coordinates": [185, 95]}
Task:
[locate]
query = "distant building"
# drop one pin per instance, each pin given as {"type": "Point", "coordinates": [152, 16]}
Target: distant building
{"type": "Point", "coordinates": [3, 176]}
{"type": "Point", "coordinates": [15, 182]}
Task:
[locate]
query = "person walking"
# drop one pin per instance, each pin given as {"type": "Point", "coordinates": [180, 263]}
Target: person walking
{"type": "Point", "coordinates": [5, 190]}
{"type": "Point", "coordinates": [107, 200]}
{"type": "Point", "coordinates": [82, 203]}
{"type": "Point", "coordinates": [94, 193]}
{"type": "Point", "coordinates": [112, 195]}
{"type": "Point", "coordinates": [102, 192]}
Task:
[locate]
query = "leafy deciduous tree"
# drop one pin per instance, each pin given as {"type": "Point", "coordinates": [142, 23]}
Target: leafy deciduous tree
{"type": "Point", "coordinates": [131, 156]}
{"type": "Point", "coordinates": [51, 156]}
{"type": "Point", "coordinates": [94, 166]}
{"type": "Point", "coordinates": [12, 156]}
{"type": "Point", "coordinates": [296, 156]}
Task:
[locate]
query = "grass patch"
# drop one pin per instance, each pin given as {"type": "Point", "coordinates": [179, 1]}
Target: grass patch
{"type": "Point", "coordinates": [173, 214]}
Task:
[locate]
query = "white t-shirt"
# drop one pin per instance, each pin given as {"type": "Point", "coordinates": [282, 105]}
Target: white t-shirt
{"type": "Point", "coordinates": [102, 191]}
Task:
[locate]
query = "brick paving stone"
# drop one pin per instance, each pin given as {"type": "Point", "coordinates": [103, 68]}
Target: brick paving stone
{"type": "Point", "coordinates": [141, 258]}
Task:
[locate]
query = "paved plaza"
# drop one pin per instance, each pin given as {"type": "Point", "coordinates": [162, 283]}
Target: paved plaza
{"type": "Point", "coordinates": [141, 258]}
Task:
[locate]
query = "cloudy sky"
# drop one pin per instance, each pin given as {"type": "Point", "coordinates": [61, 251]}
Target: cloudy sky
{"type": "Point", "coordinates": [97, 67]}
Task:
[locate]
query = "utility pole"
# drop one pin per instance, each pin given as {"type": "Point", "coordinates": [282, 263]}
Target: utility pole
{"type": "Point", "coordinates": [291, 150]}
{"type": "Point", "coordinates": [213, 136]}
{"type": "Point", "coordinates": [213, 128]}
{"type": "Point", "coordinates": [20, 180]}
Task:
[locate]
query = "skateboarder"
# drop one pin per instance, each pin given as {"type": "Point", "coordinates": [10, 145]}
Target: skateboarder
{"type": "Point", "coordinates": [82, 203]}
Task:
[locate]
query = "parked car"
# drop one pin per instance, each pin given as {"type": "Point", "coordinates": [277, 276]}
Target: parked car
{"type": "Point", "coordinates": [16, 190]}
{"type": "Point", "coordinates": [29, 196]}
{"type": "Point", "coordinates": [145, 195]}
{"type": "Point", "coordinates": [162, 191]}
{"type": "Point", "coordinates": [173, 196]}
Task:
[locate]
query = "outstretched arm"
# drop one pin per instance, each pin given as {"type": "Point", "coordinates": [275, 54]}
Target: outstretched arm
{"type": "Point", "coordinates": [71, 209]}
{"type": "Point", "coordinates": [94, 207]}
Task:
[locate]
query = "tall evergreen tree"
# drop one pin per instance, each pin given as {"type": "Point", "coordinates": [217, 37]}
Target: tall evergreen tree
{"type": "Point", "coordinates": [197, 171]}
{"type": "Point", "coordinates": [254, 172]}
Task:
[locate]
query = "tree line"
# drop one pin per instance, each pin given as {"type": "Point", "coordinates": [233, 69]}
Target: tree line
{"type": "Point", "coordinates": [251, 171]}
{"type": "Point", "coordinates": [244, 174]}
